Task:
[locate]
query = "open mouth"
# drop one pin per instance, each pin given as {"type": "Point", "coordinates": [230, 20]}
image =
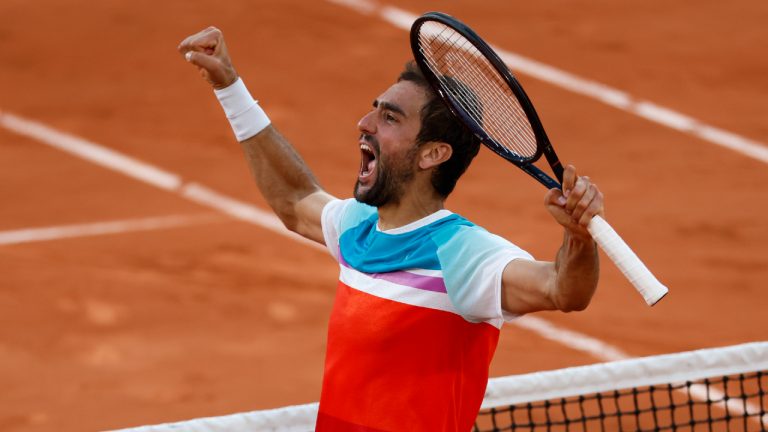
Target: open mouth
{"type": "Point", "coordinates": [367, 160]}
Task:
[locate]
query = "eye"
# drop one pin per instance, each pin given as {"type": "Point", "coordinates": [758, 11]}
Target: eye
{"type": "Point", "coordinates": [389, 117]}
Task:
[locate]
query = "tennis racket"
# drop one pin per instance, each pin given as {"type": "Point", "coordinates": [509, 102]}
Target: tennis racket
{"type": "Point", "coordinates": [484, 95]}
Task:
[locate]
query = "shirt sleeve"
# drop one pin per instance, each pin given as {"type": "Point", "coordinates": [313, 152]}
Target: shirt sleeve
{"type": "Point", "coordinates": [339, 216]}
{"type": "Point", "coordinates": [330, 220]}
{"type": "Point", "coordinates": [473, 261]}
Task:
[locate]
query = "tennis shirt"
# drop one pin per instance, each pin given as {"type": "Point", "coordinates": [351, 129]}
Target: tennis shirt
{"type": "Point", "coordinates": [415, 321]}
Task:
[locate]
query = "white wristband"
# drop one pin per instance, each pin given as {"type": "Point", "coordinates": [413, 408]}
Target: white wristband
{"type": "Point", "coordinates": [244, 113]}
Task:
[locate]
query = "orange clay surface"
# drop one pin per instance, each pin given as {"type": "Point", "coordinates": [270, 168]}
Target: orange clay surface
{"type": "Point", "coordinates": [224, 316]}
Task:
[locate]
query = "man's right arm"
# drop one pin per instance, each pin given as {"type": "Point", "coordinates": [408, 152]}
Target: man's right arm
{"type": "Point", "coordinates": [282, 176]}
{"type": "Point", "coordinates": [286, 182]}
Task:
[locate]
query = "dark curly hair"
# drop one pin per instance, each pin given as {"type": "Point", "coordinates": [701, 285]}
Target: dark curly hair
{"type": "Point", "coordinates": [438, 124]}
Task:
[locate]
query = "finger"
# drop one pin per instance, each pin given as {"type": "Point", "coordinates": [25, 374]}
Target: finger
{"type": "Point", "coordinates": [555, 197]}
{"type": "Point", "coordinates": [569, 179]}
{"type": "Point", "coordinates": [190, 43]}
{"type": "Point", "coordinates": [201, 45]}
{"type": "Point", "coordinates": [554, 203]}
{"type": "Point", "coordinates": [577, 192]}
{"type": "Point", "coordinates": [184, 46]}
{"type": "Point", "coordinates": [584, 202]}
{"type": "Point", "coordinates": [201, 60]}
{"type": "Point", "coordinates": [206, 41]}
{"type": "Point", "coordinates": [595, 208]}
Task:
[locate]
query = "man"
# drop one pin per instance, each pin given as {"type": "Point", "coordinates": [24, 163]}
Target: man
{"type": "Point", "coordinates": [422, 291]}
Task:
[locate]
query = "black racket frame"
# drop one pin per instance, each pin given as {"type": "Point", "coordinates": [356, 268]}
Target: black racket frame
{"type": "Point", "coordinates": [543, 145]}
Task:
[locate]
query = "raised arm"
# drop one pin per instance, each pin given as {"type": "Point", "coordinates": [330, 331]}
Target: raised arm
{"type": "Point", "coordinates": [281, 175]}
{"type": "Point", "coordinates": [568, 283]}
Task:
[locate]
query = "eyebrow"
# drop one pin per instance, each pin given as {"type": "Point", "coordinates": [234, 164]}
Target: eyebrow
{"type": "Point", "coordinates": [389, 106]}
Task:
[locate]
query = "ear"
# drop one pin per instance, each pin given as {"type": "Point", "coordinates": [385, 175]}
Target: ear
{"type": "Point", "coordinates": [433, 154]}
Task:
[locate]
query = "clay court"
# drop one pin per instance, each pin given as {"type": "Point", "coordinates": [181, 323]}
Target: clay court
{"type": "Point", "coordinates": [179, 309]}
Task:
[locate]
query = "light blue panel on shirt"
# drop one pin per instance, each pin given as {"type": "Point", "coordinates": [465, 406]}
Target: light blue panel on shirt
{"type": "Point", "coordinates": [369, 250]}
{"type": "Point", "coordinates": [355, 213]}
{"type": "Point", "coordinates": [464, 253]}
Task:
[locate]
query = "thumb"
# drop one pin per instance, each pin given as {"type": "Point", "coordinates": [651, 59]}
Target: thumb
{"type": "Point", "coordinates": [218, 73]}
{"type": "Point", "coordinates": [555, 197]}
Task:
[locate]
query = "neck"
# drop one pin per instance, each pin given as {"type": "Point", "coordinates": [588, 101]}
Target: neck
{"type": "Point", "coordinates": [415, 204]}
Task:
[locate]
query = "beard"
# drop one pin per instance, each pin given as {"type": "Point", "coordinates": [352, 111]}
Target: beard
{"type": "Point", "coordinates": [392, 177]}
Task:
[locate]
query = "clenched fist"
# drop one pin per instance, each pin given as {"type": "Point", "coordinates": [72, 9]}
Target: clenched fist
{"type": "Point", "coordinates": [208, 52]}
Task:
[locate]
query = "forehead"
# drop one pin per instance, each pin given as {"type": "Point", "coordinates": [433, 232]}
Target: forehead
{"type": "Point", "coordinates": [406, 95]}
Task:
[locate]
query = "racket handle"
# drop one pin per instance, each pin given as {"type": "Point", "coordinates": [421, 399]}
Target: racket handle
{"type": "Point", "coordinates": [634, 270]}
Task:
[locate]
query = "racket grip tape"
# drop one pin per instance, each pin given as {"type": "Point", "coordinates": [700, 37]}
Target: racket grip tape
{"type": "Point", "coordinates": [630, 265]}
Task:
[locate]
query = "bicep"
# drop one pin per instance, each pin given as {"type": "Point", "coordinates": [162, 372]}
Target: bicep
{"type": "Point", "coordinates": [309, 211]}
{"type": "Point", "coordinates": [527, 286]}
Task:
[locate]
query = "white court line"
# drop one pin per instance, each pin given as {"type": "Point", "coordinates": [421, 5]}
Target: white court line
{"type": "Point", "coordinates": [592, 89]}
{"type": "Point", "coordinates": [29, 235]}
{"type": "Point", "coordinates": [243, 211]}
{"type": "Point", "coordinates": [146, 173]}
{"type": "Point", "coordinates": [571, 339]}
{"type": "Point", "coordinates": [92, 152]}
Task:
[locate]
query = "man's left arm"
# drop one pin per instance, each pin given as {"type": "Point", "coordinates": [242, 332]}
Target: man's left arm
{"type": "Point", "coordinates": [568, 283]}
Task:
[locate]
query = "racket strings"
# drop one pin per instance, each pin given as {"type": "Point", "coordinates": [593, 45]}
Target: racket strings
{"type": "Point", "coordinates": [481, 92]}
{"type": "Point", "coordinates": [464, 93]}
{"type": "Point", "coordinates": [455, 87]}
{"type": "Point", "coordinates": [499, 129]}
{"type": "Point", "coordinates": [457, 90]}
{"type": "Point", "coordinates": [488, 84]}
{"type": "Point", "coordinates": [521, 130]}
{"type": "Point", "coordinates": [496, 127]}
{"type": "Point", "coordinates": [460, 90]}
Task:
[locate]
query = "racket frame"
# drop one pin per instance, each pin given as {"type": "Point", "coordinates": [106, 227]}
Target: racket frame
{"type": "Point", "coordinates": [543, 145]}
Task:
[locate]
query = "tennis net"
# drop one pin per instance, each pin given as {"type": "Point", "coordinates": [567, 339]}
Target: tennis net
{"type": "Point", "coordinates": [719, 389]}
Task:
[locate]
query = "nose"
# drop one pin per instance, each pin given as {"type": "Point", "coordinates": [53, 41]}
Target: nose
{"type": "Point", "coordinates": [367, 124]}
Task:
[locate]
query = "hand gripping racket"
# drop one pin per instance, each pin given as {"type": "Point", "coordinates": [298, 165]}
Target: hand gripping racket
{"type": "Point", "coordinates": [484, 95]}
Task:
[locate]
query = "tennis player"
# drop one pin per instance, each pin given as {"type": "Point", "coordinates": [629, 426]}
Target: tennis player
{"type": "Point", "coordinates": [422, 291]}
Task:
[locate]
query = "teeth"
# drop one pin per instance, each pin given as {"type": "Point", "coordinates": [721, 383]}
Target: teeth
{"type": "Point", "coordinates": [366, 148]}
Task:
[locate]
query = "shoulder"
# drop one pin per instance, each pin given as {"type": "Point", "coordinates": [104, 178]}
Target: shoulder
{"type": "Point", "coordinates": [347, 213]}
{"type": "Point", "coordinates": [468, 236]}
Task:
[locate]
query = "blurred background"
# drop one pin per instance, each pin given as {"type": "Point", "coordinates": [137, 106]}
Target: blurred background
{"type": "Point", "coordinates": [127, 297]}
